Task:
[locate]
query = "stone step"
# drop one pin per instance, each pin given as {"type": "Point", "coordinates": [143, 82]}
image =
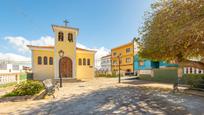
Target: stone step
{"type": "Point", "coordinates": [68, 80]}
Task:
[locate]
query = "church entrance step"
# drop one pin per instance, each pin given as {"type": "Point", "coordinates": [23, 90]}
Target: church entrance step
{"type": "Point", "coordinates": [68, 80]}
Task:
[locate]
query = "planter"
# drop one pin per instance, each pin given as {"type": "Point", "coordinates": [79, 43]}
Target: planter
{"type": "Point", "coordinates": [23, 98]}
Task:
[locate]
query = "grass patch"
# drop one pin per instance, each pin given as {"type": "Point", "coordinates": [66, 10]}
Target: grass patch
{"type": "Point", "coordinates": [8, 85]}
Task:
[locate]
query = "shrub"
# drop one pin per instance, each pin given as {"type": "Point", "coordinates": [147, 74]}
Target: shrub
{"type": "Point", "coordinates": [167, 75]}
{"type": "Point", "coordinates": [146, 77]}
{"type": "Point", "coordinates": [26, 88]}
{"type": "Point", "coordinates": [194, 80]}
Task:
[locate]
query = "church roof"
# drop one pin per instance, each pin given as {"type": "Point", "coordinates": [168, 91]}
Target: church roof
{"type": "Point", "coordinates": [66, 27]}
{"type": "Point", "coordinates": [52, 47]}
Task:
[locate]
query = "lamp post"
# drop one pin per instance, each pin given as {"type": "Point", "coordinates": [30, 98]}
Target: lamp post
{"type": "Point", "coordinates": [61, 54]}
{"type": "Point", "coordinates": [119, 57]}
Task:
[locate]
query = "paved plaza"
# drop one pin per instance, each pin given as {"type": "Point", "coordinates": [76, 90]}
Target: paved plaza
{"type": "Point", "coordinates": [106, 96]}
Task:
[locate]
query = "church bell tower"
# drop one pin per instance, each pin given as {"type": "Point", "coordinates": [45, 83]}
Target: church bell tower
{"type": "Point", "coordinates": [65, 51]}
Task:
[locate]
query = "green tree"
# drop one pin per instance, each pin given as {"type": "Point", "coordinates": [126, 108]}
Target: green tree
{"type": "Point", "coordinates": [174, 31]}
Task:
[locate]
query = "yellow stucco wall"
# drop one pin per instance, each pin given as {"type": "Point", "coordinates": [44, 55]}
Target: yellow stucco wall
{"type": "Point", "coordinates": [122, 50]}
{"type": "Point", "coordinates": [85, 71]}
{"type": "Point", "coordinates": [69, 48]}
{"type": "Point", "coordinates": [42, 71]}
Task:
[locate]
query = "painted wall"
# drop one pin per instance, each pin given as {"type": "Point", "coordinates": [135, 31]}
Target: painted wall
{"type": "Point", "coordinates": [124, 64]}
{"type": "Point", "coordinates": [85, 71]}
{"type": "Point", "coordinates": [42, 71]}
{"type": "Point", "coordinates": [165, 64]}
{"type": "Point", "coordinates": [148, 64]}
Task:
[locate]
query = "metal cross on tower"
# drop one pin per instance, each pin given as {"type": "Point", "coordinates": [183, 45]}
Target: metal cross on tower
{"type": "Point", "coordinates": [66, 22]}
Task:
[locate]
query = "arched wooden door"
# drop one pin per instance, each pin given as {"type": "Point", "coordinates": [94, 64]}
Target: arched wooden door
{"type": "Point", "coordinates": [65, 67]}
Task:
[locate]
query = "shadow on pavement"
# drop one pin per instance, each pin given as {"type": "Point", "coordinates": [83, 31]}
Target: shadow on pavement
{"type": "Point", "coordinates": [120, 100]}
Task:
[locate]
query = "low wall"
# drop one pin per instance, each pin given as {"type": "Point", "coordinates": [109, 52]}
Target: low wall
{"type": "Point", "coordinates": [6, 78]}
{"type": "Point", "coordinates": [9, 78]}
{"type": "Point", "coordinates": [165, 75]}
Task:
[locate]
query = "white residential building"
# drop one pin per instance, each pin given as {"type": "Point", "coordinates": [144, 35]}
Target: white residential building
{"type": "Point", "coordinates": [106, 64]}
{"type": "Point", "coordinates": [7, 66]}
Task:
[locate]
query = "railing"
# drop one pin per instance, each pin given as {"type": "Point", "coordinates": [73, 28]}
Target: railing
{"type": "Point", "coordinates": [9, 78]}
{"type": "Point", "coordinates": [191, 70]}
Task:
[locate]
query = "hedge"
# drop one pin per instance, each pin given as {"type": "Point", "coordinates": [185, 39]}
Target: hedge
{"type": "Point", "coordinates": [162, 75]}
{"type": "Point", "coordinates": [194, 80]}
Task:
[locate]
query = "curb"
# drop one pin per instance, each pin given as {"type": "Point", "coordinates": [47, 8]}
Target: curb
{"type": "Point", "coordinates": [194, 92]}
{"type": "Point", "coordinates": [24, 98]}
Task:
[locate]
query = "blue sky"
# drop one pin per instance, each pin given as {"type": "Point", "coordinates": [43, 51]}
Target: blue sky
{"type": "Point", "coordinates": [102, 23]}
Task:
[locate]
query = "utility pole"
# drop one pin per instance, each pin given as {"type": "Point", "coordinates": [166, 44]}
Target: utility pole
{"type": "Point", "coordinates": [119, 68]}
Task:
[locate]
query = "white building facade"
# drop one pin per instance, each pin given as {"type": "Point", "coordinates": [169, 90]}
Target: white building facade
{"type": "Point", "coordinates": [106, 64]}
{"type": "Point", "coordinates": [7, 66]}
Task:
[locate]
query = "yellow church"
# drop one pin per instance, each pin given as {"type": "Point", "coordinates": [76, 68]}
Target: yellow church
{"type": "Point", "coordinates": [64, 58]}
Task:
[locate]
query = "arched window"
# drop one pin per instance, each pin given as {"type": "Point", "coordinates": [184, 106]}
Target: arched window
{"type": "Point", "coordinates": [39, 60]}
{"type": "Point", "coordinates": [84, 61]}
{"type": "Point", "coordinates": [51, 61]}
{"type": "Point", "coordinates": [45, 60]}
{"type": "Point", "coordinates": [70, 37]}
{"type": "Point", "coordinates": [80, 61]}
{"type": "Point", "coordinates": [88, 61]}
{"type": "Point", "coordinates": [60, 36]}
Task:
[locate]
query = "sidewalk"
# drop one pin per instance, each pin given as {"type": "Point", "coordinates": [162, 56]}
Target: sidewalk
{"type": "Point", "coordinates": [160, 86]}
{"type": "Point", "coordinates": [143, 83]}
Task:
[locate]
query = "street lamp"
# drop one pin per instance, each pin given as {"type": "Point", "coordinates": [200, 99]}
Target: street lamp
{"type": "Point", "coordinates": [119, 58]}
{"type": "Point", "coordinates": [61, 54]}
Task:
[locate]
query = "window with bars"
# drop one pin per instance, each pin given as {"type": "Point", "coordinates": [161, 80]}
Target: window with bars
{"type": "Point", "coordinates": [84, 61]}
{"type": "Point", "coordinates": [45, 60]}
{"type": "Point", "coordinates": [39, 60]}
{"type": "Point", "coordinates": [88, 61]}
{"type": "Point", "coordinates": [127, 50]}
{"type": "Point", "coordinates": [70, 37]}
{"type": "Point", "coordinates": [60, 36]}
{"type": "Point", "coordinates": [80, 61]}
{"type": "Point", "coordinates": [128, 60]}
{"type": "Point", "coordinates": [51, 60]}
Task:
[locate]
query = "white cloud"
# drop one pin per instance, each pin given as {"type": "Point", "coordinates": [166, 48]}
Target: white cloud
{"type": "Point", "coordinates": [82, 46]}
{"type": "Point", "coordinates": [14, 57]}
{"type": "Point", "coordinates": [21, 44]}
